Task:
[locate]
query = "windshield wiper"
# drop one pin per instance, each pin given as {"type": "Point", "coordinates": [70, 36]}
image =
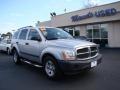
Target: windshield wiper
{"type": "Point", "coordinates": [52, 38]}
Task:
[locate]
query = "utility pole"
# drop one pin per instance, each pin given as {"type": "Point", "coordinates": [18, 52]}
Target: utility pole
{"type": "Point", "coordinates": [65, 10]}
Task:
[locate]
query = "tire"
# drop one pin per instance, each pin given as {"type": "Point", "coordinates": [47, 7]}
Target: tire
{"type": "Point", "coordinates": [51, 68]}
{"type": "Point", "coordinates": [8, 51]}
{"type": "Point", "coordinates": [16, 57]}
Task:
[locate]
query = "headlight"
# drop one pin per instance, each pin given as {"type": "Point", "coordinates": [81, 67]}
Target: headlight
{"type": "Point", "coordinates": [68, 55]}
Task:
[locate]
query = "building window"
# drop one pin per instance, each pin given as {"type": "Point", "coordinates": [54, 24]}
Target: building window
{"type": "Point", "coordinates": [89, 33]}
{"type": "Point", "coordinates": [77, 33]}
{"type": "Point", "coordinates": [97, 33]}
{"type": "Point", "coordinates": [104, 33]}
{"type": "Point", "coordinates": [72, 31]}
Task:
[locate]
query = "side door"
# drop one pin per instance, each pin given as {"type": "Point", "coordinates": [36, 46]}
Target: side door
{"type": "Point", "coordinates": [22, 42]}
{"type": "Point", "coordinates": [33, 45]}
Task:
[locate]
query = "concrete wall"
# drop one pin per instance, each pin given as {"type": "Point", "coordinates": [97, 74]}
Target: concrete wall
{"type": "Point", "coordinates": [83, 30]}
{"type": "Point", "coordinates": [114, 34]}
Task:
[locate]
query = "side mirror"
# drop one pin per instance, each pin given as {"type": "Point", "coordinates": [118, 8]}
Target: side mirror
{"type": "Point", "coordinates": [36, 38]}
{"type": "Point", "coordinates": [8, 41]}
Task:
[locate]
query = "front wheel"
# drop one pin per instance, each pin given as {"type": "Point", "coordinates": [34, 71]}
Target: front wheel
{"type": "Point", "coordinates": [51, 67]}
{"type": "Point", "coordinates": [16, 57]}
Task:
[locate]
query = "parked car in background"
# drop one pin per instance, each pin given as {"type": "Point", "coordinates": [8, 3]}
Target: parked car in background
{"type": "Point", "coordinates": [5, 45]}
{"type": "Point", "coordinates": [0, 39]}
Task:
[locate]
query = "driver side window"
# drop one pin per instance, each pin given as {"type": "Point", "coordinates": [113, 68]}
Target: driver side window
{"type": "Point", "coordinates": [34, 35]}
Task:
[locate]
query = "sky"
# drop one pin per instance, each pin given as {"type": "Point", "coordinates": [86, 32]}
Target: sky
{"type": "Point", "coordinates": [15, 14]}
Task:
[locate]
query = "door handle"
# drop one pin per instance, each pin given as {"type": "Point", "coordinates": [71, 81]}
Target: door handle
{"type": "Point", "coordinates": [26, 43]}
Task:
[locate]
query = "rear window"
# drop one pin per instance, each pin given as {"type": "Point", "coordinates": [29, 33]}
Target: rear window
{"type": "Point", "coordinates": [16, 34]}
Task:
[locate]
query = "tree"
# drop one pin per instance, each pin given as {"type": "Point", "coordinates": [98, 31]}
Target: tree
{"type": "Point", "coordinates": [9, 34]}
{"type": "Point", "coordinates": [90, 3]}
{"type": "Point", "coordinates": [3, 35]}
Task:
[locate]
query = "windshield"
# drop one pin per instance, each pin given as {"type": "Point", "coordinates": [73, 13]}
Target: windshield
{"type": "Point", "coordinates": [55, 33]}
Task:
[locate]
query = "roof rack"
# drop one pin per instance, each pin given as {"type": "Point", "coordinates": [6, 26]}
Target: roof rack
{"type": "Point", "coordinates": [25, 27]}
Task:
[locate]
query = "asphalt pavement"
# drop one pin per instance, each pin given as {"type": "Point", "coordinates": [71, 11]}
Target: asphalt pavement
{"type": "Point", "coordinates": [105, 76]}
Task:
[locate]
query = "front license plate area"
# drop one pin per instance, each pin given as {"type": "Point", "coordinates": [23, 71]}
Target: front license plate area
{"type": "Point", "coordinates": [94, 63]}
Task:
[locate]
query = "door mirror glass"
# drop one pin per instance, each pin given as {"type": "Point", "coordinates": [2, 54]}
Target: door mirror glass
{"type": "Point", "coordinates": [8, 41]}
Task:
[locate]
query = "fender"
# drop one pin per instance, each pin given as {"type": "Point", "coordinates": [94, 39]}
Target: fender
{"type": "Point", "coordinates": [16, 47]}
{"type": "Point", "coordinates": [56, 52]}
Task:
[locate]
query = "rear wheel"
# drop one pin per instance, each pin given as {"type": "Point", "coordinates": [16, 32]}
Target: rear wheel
{"type": "Point", "coordinates": [51, 68]}
{"type": "Point", "coordinates": [16, 57]}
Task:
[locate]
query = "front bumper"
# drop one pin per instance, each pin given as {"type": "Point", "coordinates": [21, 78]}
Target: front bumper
{"type": "Point", "coordinates": [77, 65]}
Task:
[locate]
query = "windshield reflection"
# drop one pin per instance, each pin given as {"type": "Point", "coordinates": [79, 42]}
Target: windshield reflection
{"type": "Point", "coordinates": [55, 33]}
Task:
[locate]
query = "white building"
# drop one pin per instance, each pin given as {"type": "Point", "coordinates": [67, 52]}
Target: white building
{"type": "Point", "coordinates": [100, 24]}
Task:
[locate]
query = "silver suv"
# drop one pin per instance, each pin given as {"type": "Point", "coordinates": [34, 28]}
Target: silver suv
{"type": "Point", "coordinates": [53, 49]}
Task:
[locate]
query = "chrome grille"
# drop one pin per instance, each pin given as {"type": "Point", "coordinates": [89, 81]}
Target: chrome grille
{"type": "Point", "coordinates": [83, 50]}
{"type": "Point", "coordinates": [93, 48]}
{"type": "Point", "coordinates": [82, 56]}
{"type": "Point", "coordinates": [86, 52]}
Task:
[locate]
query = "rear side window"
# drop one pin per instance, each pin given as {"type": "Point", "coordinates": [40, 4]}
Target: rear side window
{"type": "Point", "coordinates": [16, 34]}
{"type": "Point", "coordinates": [23, 34]}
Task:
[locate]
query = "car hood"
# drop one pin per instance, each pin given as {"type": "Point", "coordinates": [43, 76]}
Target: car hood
{"type": "Point", "coordinates": [70, 43]}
